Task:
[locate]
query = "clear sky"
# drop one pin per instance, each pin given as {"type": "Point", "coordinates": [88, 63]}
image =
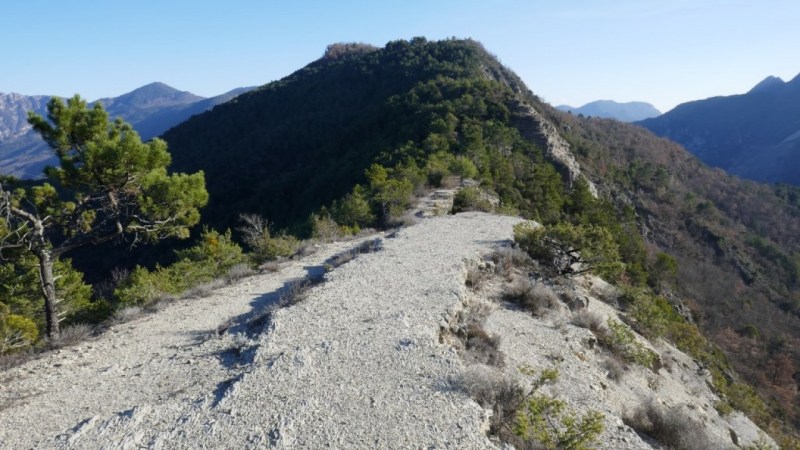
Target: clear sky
{"type": "Point", "coordinates": [568, 51]}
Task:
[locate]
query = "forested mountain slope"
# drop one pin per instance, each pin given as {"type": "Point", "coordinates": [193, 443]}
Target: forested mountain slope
{"type": "Point", "coordinates": [755, 135]}
{"type": "Point", "coordinates": [737, 242]}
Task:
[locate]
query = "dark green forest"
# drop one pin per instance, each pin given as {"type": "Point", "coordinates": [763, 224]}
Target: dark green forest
{"type": "Point", "coordinates": [350, 138]}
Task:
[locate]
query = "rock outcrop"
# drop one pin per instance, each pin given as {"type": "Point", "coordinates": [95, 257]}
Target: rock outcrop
{"type": "Point", "coordinates": [540, 131]}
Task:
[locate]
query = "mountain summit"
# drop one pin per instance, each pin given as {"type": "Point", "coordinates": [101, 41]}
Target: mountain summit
{"type": "Point", "coordinates": [609, 109]}
{"type": "Point", "coordinates": [767, 84]}
{"type": "Point", "coordinates": [152, 109]}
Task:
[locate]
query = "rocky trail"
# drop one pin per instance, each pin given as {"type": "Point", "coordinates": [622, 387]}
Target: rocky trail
{"type": "Point", "coordinates": [362, 361]}
{"type": "Point", "coordinates": [357, 363]}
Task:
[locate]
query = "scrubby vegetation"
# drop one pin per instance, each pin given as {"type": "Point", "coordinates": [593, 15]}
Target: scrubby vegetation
{"type": "Point", "coordinates": [623, 343]}
{"type": "Point", "coordinates": [670, 425]}
{"type": "Point", "coordinates": [526, 418]}
{"type": "Point", "coordinates": [733, 243]}
{"type": "Point", "coordinates": [211, 258]}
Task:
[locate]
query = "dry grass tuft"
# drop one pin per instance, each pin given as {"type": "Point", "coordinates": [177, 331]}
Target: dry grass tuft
{"type": "Point", "coordinates": [672, 426]}
{"type": "Point", "coordinates": [615, 369]}
{"type": "Point", "coordinates": [238, 272]}
{"type": "Point", "coordinates": [481, 347]}
{"type": "Point", "coordinates": [507, 259]}
{"type": "Point", "coordinates": [492, 390]}
{"type": "Point", "coordinates": [475, 277]}
{"type": "Point", "coordinates": [586, 319]}
{"type": "Point", "coordinates": [127, 313]}
{"type": "Point", "coordinates": [72, 334]}
{"type": "Point", "coordinates": [530, 295]}
{"type": "Point", "coordinates": [271, 266]}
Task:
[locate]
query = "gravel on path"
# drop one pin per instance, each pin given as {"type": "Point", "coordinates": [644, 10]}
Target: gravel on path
{"type": "Point", "coordinates": [357, 364]}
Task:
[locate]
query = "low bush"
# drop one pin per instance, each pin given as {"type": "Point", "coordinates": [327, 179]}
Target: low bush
{"type": "Point", "coordinates": [493, 390]}
{"type": "Point", "coordinates": [325, 229]}
{"type": "Point", "coordinates": [211, 258]}
{"type": "Point", "coordinates": [621, 341]}
{"type": "Point", "coordinates": [471, 198]}
{"type": "Point", "coordinates": [529, 420]}
{"type": "Point", "coordinates": [571, 249]}
{"type": "Point", "coordinates": [532, 296]}
{"type": "Point", "coordinates": [546, 421]}
{"type": "Point", "coordinates": [671, 426]}
{"type": "Point", "coordinates": [264, 245]}
{"type": "Point", "coordinates": [16, 332]}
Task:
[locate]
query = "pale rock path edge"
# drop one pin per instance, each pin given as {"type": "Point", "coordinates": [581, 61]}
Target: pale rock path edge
{"type": "Point", "coordinates": [358, 364]}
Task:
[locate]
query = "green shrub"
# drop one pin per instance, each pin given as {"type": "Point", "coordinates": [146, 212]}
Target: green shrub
{"type": "Point", "coordinates": [389, 193]}
{"type": "Point", "coordinates": [216, 252]}
{"type": "Point", "coordinates": [471, 199]}
{"type": "Point", "coordinates": [212, 257]}
{"type": "Point", "coordinates": [651, 315]}
{"type": "Point", "coordinates": [621, 341]}
{"type": "Point", "coordinates": [655, 317]}
{"type": "Point", "coordinates": [353, 210]}
{"type": "Point", "coordinates": [545, 421]}
{"type": "Point", "coordinates": [16, 332]}
{"type": "Point", "coordinates": [263, 245]}
{"type": "Point", "coordinates": [571, 249]}
{"type": "Point", "coordinates": [324, 228]}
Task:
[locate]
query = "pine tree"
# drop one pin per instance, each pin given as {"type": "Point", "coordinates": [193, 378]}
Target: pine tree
{"type": "Point", "coordinates": [109, 185]}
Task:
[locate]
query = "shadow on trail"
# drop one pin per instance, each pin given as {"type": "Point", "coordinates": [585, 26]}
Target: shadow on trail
{"type": "Point", "coordinates": [246, 327]}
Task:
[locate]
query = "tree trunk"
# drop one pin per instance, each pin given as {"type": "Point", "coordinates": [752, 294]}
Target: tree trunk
{"type": "Point", "coordinates": [49, 290]}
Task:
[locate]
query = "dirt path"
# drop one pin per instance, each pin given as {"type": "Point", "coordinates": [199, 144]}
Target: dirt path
{"type": "Point", "coordinates": [174, 355]}
{"type": "Point", "coordinates": [358, 364]}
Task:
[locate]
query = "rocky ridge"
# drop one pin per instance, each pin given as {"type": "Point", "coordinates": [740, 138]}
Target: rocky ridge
{"type": "Point", "coordinates": [360, 362]}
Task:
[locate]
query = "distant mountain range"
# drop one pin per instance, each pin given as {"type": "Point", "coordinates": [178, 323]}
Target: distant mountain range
{"type": "Point", "coordinates": [754, 135]}
{"type": "Point", "coordinates": [151, 109]}
{"type": "Point", "coordinates": [609, 109]}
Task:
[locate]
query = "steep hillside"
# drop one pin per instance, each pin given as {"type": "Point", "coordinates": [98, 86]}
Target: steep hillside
{"type": "Point", "coordinates": [736, 243]}
{"type": "Point", "coordinates": [296, 144]}
{"type": "Point", "coordinates": [754, 135]}
{"type": "Point", "coordinates": [609, 109]}
{"type": "Point", "coordinates": [17, 145]}
{"type": "Point", "coordinates": [151, 109]}
{"type": "Point", "coordinates": [14, 113]}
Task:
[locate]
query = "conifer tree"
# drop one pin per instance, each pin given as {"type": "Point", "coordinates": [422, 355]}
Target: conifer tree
{"type": "Point", "coordinates": [109, 185]}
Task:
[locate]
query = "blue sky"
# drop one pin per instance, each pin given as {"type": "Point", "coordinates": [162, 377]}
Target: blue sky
{"type": "Point", "coordinates": [567, 51]}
